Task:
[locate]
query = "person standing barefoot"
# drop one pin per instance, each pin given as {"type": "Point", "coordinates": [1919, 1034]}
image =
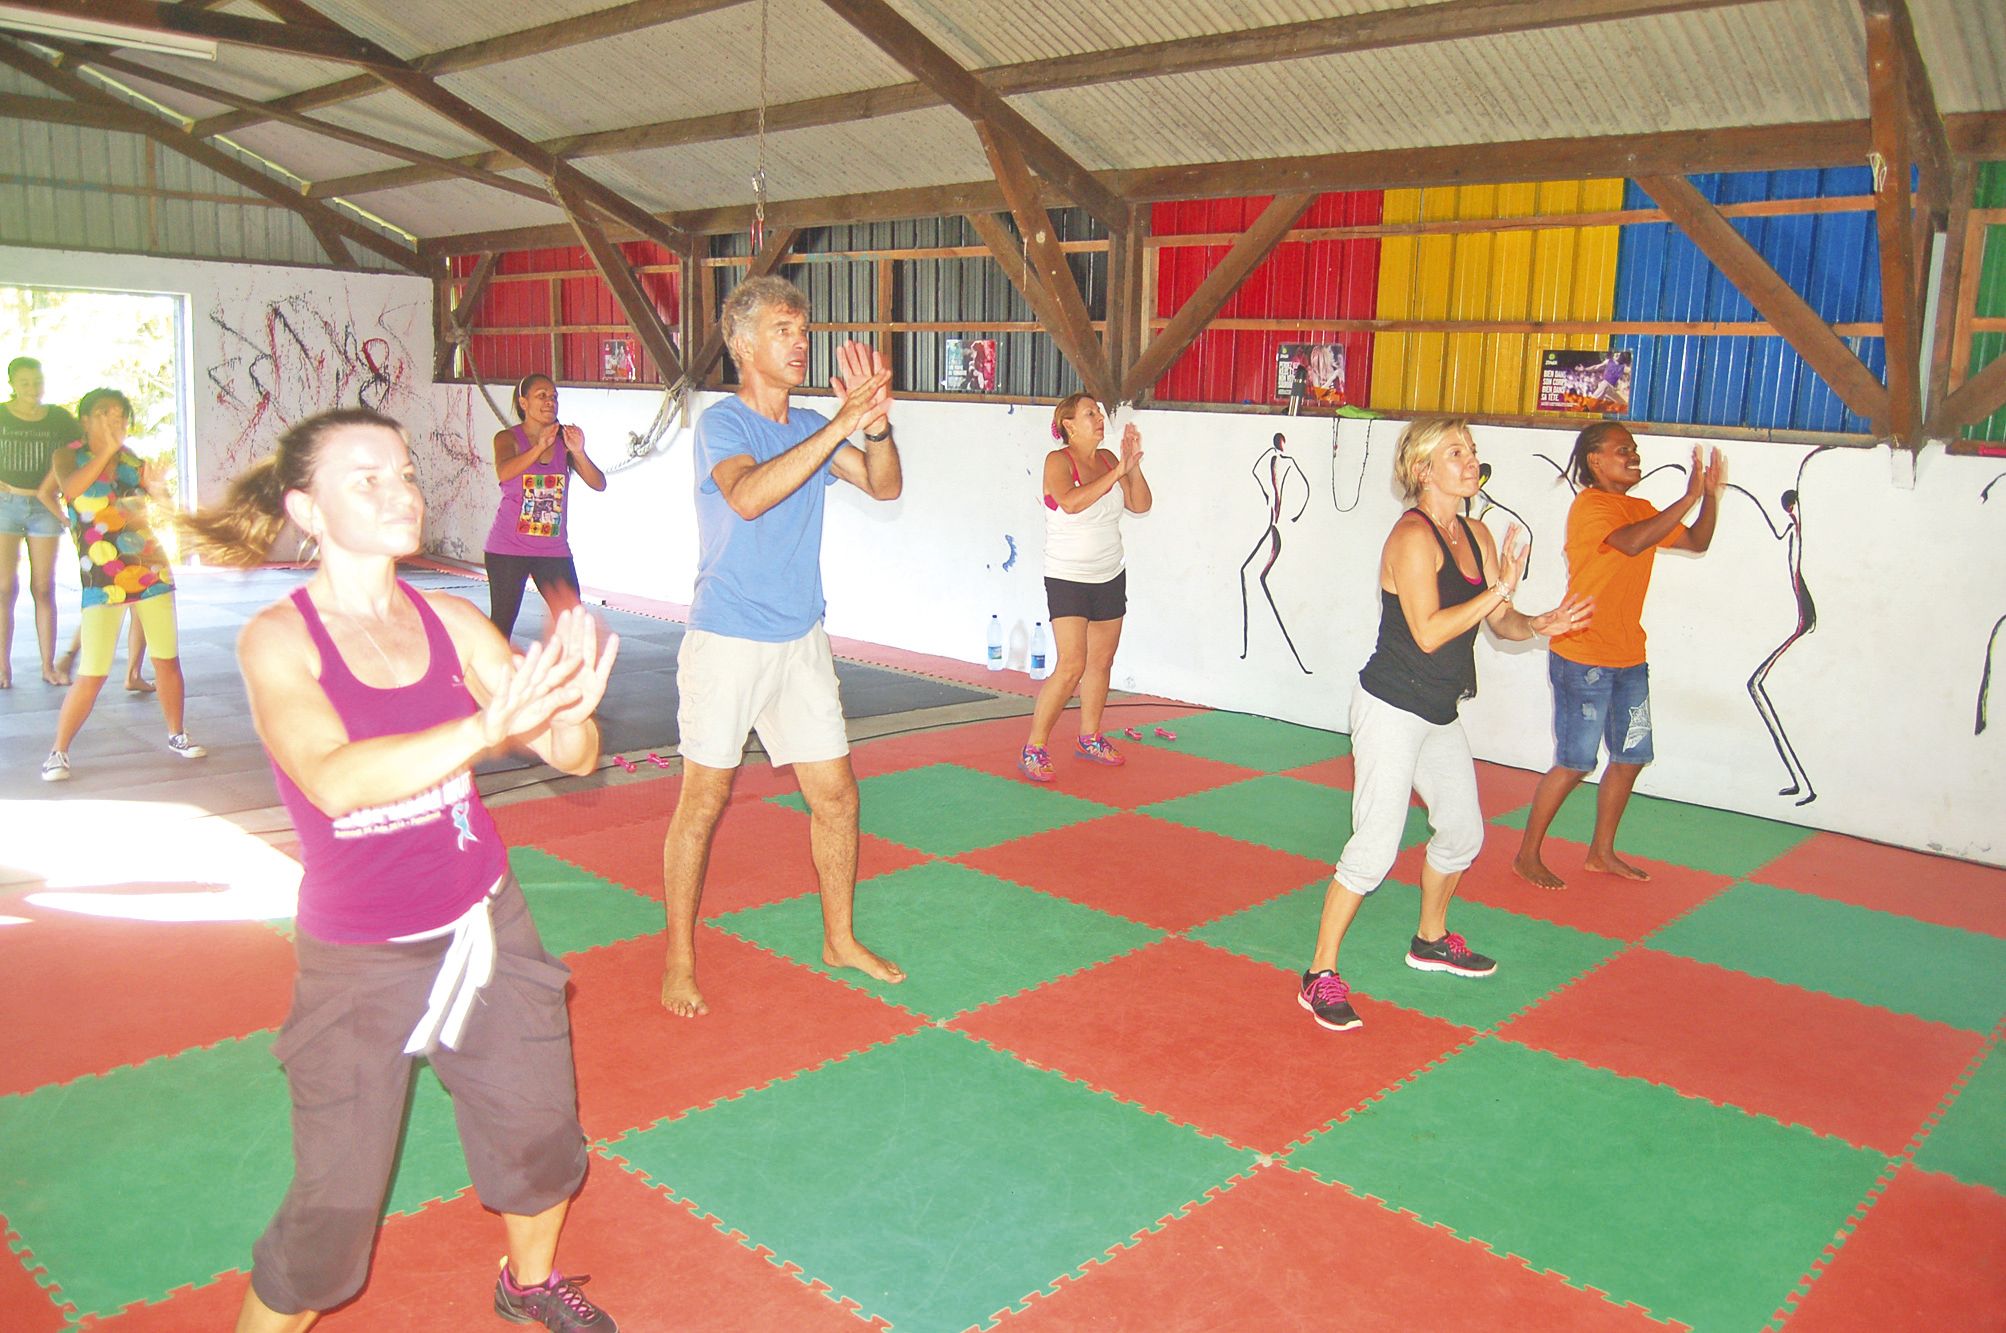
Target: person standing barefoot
{"type": "Point", "coordinates": [1601, 682]}
{"type": "Point", "coordinates": [755, 656]}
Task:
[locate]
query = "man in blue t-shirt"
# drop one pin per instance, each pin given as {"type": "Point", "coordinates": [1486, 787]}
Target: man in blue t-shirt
{"type": "Point", "coordinates": [756, 657]}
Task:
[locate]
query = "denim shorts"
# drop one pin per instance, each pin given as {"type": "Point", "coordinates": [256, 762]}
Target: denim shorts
{"type": "Point", "coordinates": [25, 516]}
{"type": "Point", "coordinates": [1593, 706]}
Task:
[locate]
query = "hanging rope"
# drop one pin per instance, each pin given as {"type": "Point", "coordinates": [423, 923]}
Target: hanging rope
{"type": "Point", "coordinates": [759, 162]}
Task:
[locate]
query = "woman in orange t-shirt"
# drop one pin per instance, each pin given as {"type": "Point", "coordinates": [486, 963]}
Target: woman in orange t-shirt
{"type": "Point", "coordinates": [1601, 682]}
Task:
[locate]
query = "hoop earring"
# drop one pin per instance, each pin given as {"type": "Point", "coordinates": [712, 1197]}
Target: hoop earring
{"type": "Point", "coordinates": [309, 550]}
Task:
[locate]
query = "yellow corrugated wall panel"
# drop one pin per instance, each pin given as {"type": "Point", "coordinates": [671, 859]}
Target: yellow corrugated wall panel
{"type": "Point", "coordinates": [1507, 276]}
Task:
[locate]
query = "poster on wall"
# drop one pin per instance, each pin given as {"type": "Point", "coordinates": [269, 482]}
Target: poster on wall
{"type": "Point", "coordinates": [1310, 371]}
{"type": "Point", "coordinates": [953, 366]}
{"type": "Point", "coordinates": [982, 366]}
{"type": "Point", "coordinates": [616, 359]}
{"type": "Point", "coordinates": [1585, 381]}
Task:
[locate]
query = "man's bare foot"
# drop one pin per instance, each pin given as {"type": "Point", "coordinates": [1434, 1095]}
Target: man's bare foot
{"type": "Point", "coordinates": [140, 685]}
{"type": "Point", "coordinates": [1612, 864]}
{"type": "Point", "coordinates": [1534, 871]}
{"type": "Point", "coordinates": [856, 955]}
{"type": "Point", "coordinates": [680, 995]}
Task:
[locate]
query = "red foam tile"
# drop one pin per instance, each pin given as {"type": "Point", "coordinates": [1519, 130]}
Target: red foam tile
{"type": "Point", "coordinates": [1212, 1040]}
{"type": "Point", "coordinates": [202, 982]}
{"type": "Point", "coordinates": [970, 744]}
{"type": "Point", "coordinates": [1501, 790]}
{"type": "Point", "coordinates": [204, 1309]}
{"type": "Point", "coordinates": [1925, 1257]}
{"type": "Point", "coordinates": [1152, 773]}
{"type": "Point", "coordinates": [1623, 909]}
{"type": "Point", "coordinates": [1863, 1074]}
{"type": "Point", "coordinates": [595, 808]}
{"type": "Point", "coordinates": [637, 1063]}
{"type": "Point", "coordinates": [1953, 893]}
{"type": "Point", "coordinates": [1148, 870]}
{"type": "Point", "coordinates": [1282, 1250]}
{"type": "Point", "coordinates": [25, 1305]}
{"type": "Point", "coordinates": [1339, 772]}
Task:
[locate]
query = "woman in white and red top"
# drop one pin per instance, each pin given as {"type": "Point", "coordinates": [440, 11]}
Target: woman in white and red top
{"type": "Point", "coordinates": [1086, 491]}
{"type": "Point", "coordinates": [534, 461]}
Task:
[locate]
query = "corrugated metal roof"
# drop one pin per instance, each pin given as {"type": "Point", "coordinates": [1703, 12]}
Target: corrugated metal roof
{"type": "Point", "coordinates": [429, 210]}
{"type": "Point", "coordinates": [936, 147]}
{"type": "Point", "coordinates": [981, 34]}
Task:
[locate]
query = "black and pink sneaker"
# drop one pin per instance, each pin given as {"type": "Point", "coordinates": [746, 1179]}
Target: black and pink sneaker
{"type": "Point", "coordinates": [1328, 1000]}
{"type": "Point", "coordinates": [1450, 954]}
{"type": "Point", "coordinates": [556, 1304]}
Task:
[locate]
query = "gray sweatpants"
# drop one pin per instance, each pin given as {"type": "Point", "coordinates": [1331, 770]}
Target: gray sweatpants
{"type": "Point", "coordinates": [1394, 752]}
{"type": "Point", "coordinates": [514, 1097]}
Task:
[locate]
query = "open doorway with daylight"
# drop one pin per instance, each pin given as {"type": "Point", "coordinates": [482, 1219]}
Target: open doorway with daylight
{"type": "Point", "coordinates": [81, 340]}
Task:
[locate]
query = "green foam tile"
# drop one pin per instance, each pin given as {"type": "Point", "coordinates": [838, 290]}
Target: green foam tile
{"type": "Point", "coordinates": [964, 938]}
{"type": "Point", "coordinates": [1720, 842]}
{"type": "Point", "coordinates": [93, 1167]}
{"type": "Point", "coordinates": [1970, 1141]}
{"type": "Point", "coordinates": [1305, 818]}
{"type": "Point", "coordinates": [1699, 1213]}
{"type": "Point", "coordinates": [1534, 957]}
{"type": "Point", "coordinates": [1913, 967]}
{"type": "Point", "coordinates": [576, 910]}
{"type": "Point", "coordinates": [945, 810]}
{"type": "Point", "coordinates": [1251, 742]}
{"type": "Point", "coordinates": [932, 1180]}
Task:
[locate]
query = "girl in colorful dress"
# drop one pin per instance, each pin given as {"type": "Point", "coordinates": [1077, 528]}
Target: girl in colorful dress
{"type": "Point", "coordinates": [110, 492]}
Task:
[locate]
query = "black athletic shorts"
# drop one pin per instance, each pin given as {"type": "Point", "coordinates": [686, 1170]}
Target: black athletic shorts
{"type": "Point", "coordinates": [1095, 601]}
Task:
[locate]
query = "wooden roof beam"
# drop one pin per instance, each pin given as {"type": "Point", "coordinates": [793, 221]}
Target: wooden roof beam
{"type": "Point", "coordinates": [1976, 399]}
{"type": "Point", "coordinates": [1072, 328]}
{"type": "Point", "coordinates": [1255, 244]}
{"type": "Point", "coordinates": [555, 36]}
{"type": "Point", "coordinates": [439, 167]}
{"type": "Point", "coordinates": [889, 31]}
{"type": "Point", "coordinates": [1450, 20]}
{"type": "Point", "coordinates": [1822, 349]}
{"type": "Point", "coordinates": [1890, 29]}
{"type": "Point", "coordinates": [1010, 257]}
{"type": "Point", "coordinates": [635, 304]}
{"type": "Point", "coordinates": [333, 231]}
{"type": "Point", "coordinates": [315, 42]}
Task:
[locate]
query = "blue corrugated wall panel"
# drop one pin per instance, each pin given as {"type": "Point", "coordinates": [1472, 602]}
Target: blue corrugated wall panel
{"type": "Point", "coordinates": [1831, 259]}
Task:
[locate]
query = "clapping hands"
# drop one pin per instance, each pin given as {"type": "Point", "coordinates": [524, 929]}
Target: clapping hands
{"type": "Point", "coordinates": [864, 382]}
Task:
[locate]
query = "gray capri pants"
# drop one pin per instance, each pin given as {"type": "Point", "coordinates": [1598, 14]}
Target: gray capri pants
{"type": "Point", "coordinates": [514, 1097]}
{"type": "Point", "coordinates": [1394, 752]}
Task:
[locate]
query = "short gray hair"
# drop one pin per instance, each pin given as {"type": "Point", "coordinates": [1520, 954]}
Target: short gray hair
{"type": "Point", "coordinates": [749, 298]}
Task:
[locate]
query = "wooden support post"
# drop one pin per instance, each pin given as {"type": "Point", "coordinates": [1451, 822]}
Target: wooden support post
{"type": "Point", "coordinates": [1004, 247]}
{"type": "Point", "coordinates": [1894, 138]}
{"type": "Point", "coordinates": [1977, 398]}
{"type": "Point", "coordinates": [1072, 328]}
{"type": "Point", "coordinates": [1801, 326]}
{"type": "Point", "coordinates": [1259, 241]}
{"type": "Point", "coordinates": [1950, 314]}
{"type": "Point", "coordinates": [693, 291]}
{"type": "Point", "coordinates": [1127, 254]}
{"type": "Point", "coordinates": [642, 317]}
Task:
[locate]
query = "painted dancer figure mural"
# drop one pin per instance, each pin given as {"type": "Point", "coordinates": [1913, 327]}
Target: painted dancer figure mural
{"type": "Point", "coordinates": [1992, 639]}
{"type": "Point", "coordinates": [1271, 473]}
{"type": "Point", "coordinates": [1791, 532]}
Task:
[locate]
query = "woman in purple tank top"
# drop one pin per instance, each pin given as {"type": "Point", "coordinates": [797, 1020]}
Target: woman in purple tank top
{"type": "Point", "coordinates": [374, 701]}
{"type": "Point", "coordinates": [534, 461]}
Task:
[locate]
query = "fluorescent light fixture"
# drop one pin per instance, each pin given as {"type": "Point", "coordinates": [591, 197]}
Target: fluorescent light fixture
{"type": "Point", "coordinates": [42, 23]}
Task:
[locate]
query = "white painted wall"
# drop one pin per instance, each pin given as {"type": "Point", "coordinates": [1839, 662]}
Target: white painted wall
{"type": "Point", "coordinates": [269, 344]}
{"type": "Point", "coordinates": [1879, 701]}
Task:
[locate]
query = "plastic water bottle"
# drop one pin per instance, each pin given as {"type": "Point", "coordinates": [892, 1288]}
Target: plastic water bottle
{"type": "Point", "coordinates": [1041, 653]}
{"type": "Point", "coordinates": [995, 643]}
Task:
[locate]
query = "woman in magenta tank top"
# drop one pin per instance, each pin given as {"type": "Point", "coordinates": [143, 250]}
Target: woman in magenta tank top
{"type": "Point", "coordinates": [534, 461]}
{"type": "Point", "coordinates": [374, 701]}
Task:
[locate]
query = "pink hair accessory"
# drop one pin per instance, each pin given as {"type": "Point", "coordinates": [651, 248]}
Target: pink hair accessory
{"type": "Point", "coordinates": [1165, 734]}
{"type": "Point", "coordinates": [626, 763]}
{"type": "Point", "coordinates": [657, 760]}
{"type": "Point", "coordinates": [1057, 433]}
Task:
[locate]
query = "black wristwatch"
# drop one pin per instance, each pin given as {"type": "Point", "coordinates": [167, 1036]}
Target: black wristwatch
{"type": "Point", "coordinates": [881, 438]}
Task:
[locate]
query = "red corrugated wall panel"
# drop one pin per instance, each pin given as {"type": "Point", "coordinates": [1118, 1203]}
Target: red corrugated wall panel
{"type": "Point", "coordinates": [1307, 280]}
{"type": "Point", "coordinates": [578, 300]}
